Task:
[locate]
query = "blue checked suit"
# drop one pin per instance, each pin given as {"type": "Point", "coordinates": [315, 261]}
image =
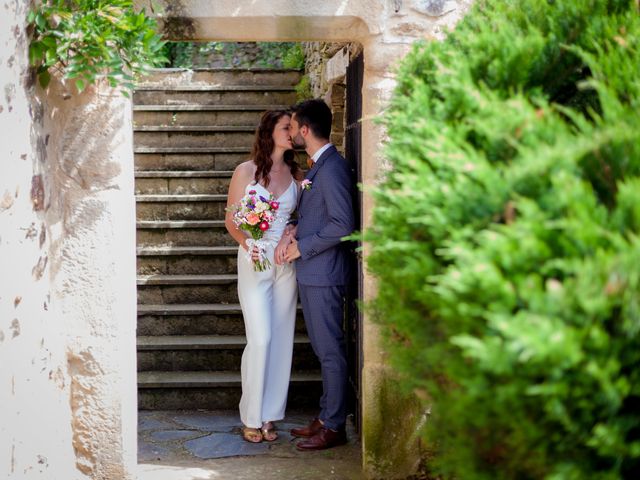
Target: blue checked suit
{"type": "Point", "coordinates": [325, 215]}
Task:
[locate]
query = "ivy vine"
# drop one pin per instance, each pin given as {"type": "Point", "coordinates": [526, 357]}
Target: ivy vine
{"type": "Point", "coordinates": [86, 40]}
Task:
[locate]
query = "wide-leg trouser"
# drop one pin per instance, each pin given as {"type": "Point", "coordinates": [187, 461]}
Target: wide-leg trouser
{"type": "Point", "coordinates": [268, 300]}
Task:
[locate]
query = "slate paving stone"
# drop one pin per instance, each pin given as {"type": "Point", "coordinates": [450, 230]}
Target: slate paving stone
{"type": "Point", "coordinates": [150, 422]}
{"type": "Point", "coordinates": [170, 435]}
{"type": "Point", "coordinates": [148, 452]}
{"type": "Point", "coordinates": [223, 445]}
{"type": "Point", "coordinates": [212, 422]}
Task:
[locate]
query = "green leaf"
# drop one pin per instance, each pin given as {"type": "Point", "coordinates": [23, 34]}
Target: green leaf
{"type": "Point", "coordinates": [36, 51]}
{"type": "Point", "coordinates": [44, 78]}
{"type": "Point", "coordinates": [41, 22]}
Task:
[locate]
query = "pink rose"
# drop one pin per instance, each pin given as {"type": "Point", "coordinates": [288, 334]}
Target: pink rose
{"type": "Point", "coordinates": [252, 192]}
{"type": "Point", "coordinates": [252, 219]}
{"type": "Point", "coordinates": [263, 226]}
{"type": "Point", "coordinates": [275, 205]}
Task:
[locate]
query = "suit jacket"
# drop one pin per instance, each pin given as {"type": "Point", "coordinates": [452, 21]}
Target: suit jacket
{"type": "Point", "coordinates": [325, 215]}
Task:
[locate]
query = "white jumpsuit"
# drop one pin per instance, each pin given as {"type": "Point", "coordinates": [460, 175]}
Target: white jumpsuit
{"type": "Point", "coordinates": [268, 300]}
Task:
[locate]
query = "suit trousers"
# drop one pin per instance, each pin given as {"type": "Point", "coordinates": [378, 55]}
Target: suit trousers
{"type": "Point", "coordinates": [323, 313]}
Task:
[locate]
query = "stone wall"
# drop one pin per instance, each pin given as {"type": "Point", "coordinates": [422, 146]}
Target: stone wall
{"type": "Point", "coordinates": [35, 384]}
{"type": "Point", "coordinates": [90, 217]}
{"type": "Point", "coordinates": [67, 288]}
{"type": "Point", "coordinates": [329, 82]}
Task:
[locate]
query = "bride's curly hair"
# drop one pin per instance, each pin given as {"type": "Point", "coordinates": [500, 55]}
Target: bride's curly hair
{"type": "Point", "coordinates": [263, 146]}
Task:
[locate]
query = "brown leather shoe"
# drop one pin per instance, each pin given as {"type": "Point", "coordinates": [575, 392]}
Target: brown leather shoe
{"type": "Point", "coordinates": [325, 438]}
{"type": "Point", "coordinates": [308, 431]}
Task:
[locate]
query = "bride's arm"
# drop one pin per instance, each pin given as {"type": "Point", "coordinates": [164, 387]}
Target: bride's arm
{"type": "Point", "coordinates": [242, 175]}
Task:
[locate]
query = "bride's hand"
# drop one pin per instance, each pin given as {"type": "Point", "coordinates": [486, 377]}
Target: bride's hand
{"type": "Point", "coordinates": [281, 248]}
{"type": "Point", "coordinates": [255, 253]}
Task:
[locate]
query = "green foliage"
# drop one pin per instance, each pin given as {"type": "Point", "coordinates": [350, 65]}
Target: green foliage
{"type": "Point", "coordinates": [506, 240]}
{"type": "Point", "coordinates": [294, 57]}
{"type": "Point", "coordinates": [234, 55]}
{"type": "Point", "coordinates": [303, 89]}
{"type": "Point", "coordinates": [91, 39]}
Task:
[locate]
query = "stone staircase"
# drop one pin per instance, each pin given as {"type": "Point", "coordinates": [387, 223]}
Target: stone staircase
{"type": "Point", "coordinates": [191, 128]}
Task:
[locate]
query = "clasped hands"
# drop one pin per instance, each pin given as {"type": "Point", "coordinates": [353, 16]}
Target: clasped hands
{"type": "Point", "coordinates": [287, 249]}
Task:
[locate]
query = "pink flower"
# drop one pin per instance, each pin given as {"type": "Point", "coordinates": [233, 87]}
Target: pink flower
{"type": "Point", "coordinates": [306, 184]}
{"type": "Point", "coordinates": [263, 226]}
{"type": "Point", "coordinates": [252, 192]}
{"type": "Point", "coordinates": [275, 205]}
{"type": "Point", "coordinates": [252, 219]}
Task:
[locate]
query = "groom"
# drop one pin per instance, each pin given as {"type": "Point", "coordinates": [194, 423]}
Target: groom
{"type": "Point", "coordinates": [325, 216]}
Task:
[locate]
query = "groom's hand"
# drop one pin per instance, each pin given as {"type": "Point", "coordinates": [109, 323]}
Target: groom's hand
{"type": "Point", "coordinates": [281, 248]}
{"type": "Point", "coordinates": [292, 251]}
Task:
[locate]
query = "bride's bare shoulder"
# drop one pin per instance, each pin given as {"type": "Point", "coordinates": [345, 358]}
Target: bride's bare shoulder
{"type": "Point", "coordinates": [245, 169]}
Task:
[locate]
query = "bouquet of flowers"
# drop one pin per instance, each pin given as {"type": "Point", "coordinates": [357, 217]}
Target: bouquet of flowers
{"type": "Point", "coordinates": [255, 214]}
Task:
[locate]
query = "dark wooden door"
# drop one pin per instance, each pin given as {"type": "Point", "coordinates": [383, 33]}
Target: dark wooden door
{"type": "Point", "coordinates": [353, 316]}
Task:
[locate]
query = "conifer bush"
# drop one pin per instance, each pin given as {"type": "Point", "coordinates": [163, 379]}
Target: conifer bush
{"type": "Point", "coordinates": [506, 240]}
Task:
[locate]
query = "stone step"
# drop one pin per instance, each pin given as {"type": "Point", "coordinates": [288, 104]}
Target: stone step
{"type": "Point", "coordinates": [181, 207]}
{"type": "Point", "coordinates": [183, 174]}
{"type": "Point", "coordinates": [185, 224]}
{"type": "Point", "coordinates": [182, 251]}
{"type": "Point", "coordinates": [187, 260]}
{"type": "Point", "coordinates": [164, 379]}
{"type": "Point", "coordinates": [185, 279]}
{"type": "Point", "coordinates": [189, 161]}
{"type": "Point", "coordinates": [220, 96]}
{"type": "Point", "coordinates": [214, 390]}
{"type": "Point", "coordinates": [182, 182]}
{"type": "Point", "coordinates": [199, 342]}
{"type": "Point", "coordinates": [197, 128]}
{"type": "Point", "coordinates": [209, 293]}
{"type": "Point", "coordinates": [192, 107]}
{"type": "Point", "coordinates": [189, 309]}
{"type": "Point", "coordinates": [210, 360]}
{"type": "Point", "coordinates": [183, 150]}
{"type": "Point", "coordinates": [156, 289]}
{"type": "Point", "coordinates": [186, 233]}
{"type": "Point", "coordinates": [196, 319]}
{"type": "Point", "coordinates": [157, 87]}
{"type": "Point", "coordinates": [187, 264]}
{"type": "Point", "coordinates": [192, 139]}
{"type": "Point", "coordinates": [217, 322]}
{"type": "Point", "coordinates": [208, 353]}
{"type": "Point", "coordinates": [181, 198]}
{"type": "Point", "coordinates": [207, 77]}
{"type": "Point", "coordinates": [197, 161]}
{"type": "Point", "coordinates": [195, 118]}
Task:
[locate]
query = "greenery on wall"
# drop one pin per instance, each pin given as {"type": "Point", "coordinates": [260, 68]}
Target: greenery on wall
{"type": "Point", "coordinates": [90, 39]}
{"type": "Point", "coordinates": [234, 54]}
{"type": "Point", "coordinates": [506, 240]}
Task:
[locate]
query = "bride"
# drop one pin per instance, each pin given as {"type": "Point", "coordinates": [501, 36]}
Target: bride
{"type": "Point", "coordinates": [268, 299]}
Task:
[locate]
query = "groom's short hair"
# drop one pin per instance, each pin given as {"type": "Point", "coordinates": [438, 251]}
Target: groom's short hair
{"type": "Point", "coordinates": [316, 115]}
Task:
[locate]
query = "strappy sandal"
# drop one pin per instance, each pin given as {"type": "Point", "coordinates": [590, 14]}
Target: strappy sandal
{"type": "Point", "coordinates": [269, 432]}
{"type": "Point", "coordinates": [252, 435]}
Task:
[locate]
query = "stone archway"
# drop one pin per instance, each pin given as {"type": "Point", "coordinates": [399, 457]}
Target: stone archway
{"type": "Point", "coordinates": [73, 153]}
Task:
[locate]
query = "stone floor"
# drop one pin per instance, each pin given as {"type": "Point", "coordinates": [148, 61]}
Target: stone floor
{"type": "Point", "coordinates": [203, 445]}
